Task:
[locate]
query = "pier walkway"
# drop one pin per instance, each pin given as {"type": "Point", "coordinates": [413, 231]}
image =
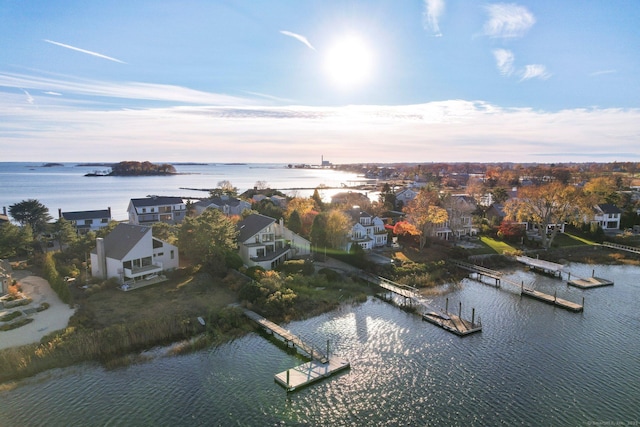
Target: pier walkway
{"type": "Point", "coordinates": [529, 292]}
{"type": "Point", "coordinates": [446, 320]}
{"type": "Point", "coordinates": [542, 265]}
{"type": "Point", "coordinates": [321, 365]}
{"type": "Point", "coordinates": [626, 248]}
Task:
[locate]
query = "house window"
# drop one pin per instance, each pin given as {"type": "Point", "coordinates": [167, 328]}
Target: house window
{"type": "Point", "coordinates": [172, 254]}
{"type": "Point", "coordinates": [104, 220]}
{"type": "Point", "coordinates": [160, 254]}
{"type": "Point", "coordinates": [88, 221]}
{"type": "Point", "coordinates": [144, 210]}
{"type": "Point", "coordinates": [135, 263]}
{"type": "Point", "coordinates": [146, 261]}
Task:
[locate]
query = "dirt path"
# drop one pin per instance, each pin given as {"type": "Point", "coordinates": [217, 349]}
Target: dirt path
{"type": "Point", "coordinates": [56, 317]}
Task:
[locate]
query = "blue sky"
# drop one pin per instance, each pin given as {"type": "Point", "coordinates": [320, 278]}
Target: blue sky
{"type": "Point", "coordinates": [289, 81]}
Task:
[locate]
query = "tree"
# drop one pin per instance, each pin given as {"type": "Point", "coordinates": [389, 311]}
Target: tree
{"type": "Point", "coordinates": [294, 223]}
{"type": "Point", "coordinates": [225, 188]}
{"type": "Point", "coordinates": [65, 233]}
{"type": "Point", "coordinates": [206, 236]}
{"type": "Point", "coordinates": [424, 212]}
{"type": "Point", "coordinates": [31, 212]}
{"type": "Point", "coordinates": [499, 195]}
{"type": "Point", "coordinates": [165, 232]}
{"type": "Point", "coordinates": [317, 199]}
{"type": "Point", "coordinates": [318, 232]}
{"type": "Point", "coordinates": [261, 185]}
{"type": "Point", "coordinates": [14, 240]}
{"type": "Point", "coordinates": [337, 228]}
{"type": "Point", "coordinates": [387, 197]}
{"type": "Point", "coordinates": [548, 206]}
{"type": "Point", "coordinates": [603, 189]}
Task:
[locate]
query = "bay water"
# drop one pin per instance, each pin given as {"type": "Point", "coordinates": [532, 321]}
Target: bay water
{"type": "Point", "coordinates": [532, 365]}
{"type": "Point", "coordinates": [65, 187]}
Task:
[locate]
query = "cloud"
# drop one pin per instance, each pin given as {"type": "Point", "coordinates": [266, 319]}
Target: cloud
{"type": "Point", "coordinates": [504, 61]}
{"type": "Point", "coordinates": [507, 20]}
{"type": "Point", "coordinates": [448, 131]}
{"type": "Point", "coordinates": [105, 91]}
{"type": "Point", "coordinates": [533, 71]}
{"type": "Point", "coordinates": [433, 10]}
{"type": "Point", "coordinates": [30, 99]}
{"type": "Point", "coordinates": [298, 37]}
{"type": "Point", "coordinates": [88, 52]}
{"type": "Point", "coordinates": [602, 72]}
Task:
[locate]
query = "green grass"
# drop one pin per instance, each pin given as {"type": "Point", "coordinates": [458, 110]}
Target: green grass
{"type": "Point", "coordinates": [564, 240]}
{"type": "Point", "coordinates": [497, 246]}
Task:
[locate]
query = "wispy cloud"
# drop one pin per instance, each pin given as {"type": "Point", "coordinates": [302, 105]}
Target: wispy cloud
{"type": "Point", "coordinates": [88, 52]}
{"type": "Point", "coordinates": [126, 91]}
{"type": "Point", "coordinates": [298, 37]}
{"type": "Point", "coordinates": [504, 61]}
{"type": "Point", "coordinates": [30, 99]}
{"type": "Point", "coordinates": [433, 10]}
{"type": "Point", "coordinates": [533, 71]}
{"type": "Point", "coordinates": [508, 20]}
{"type": "Point", "coordinates": [602, 72]}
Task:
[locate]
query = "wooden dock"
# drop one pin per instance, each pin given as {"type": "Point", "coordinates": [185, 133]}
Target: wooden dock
{"type": "Point", "coordinates": [547, 267]}
{"type": "Point", "coordinates": [549, 299]}
{"type": "Point", "coordinates": [552, 299]}
{"type": "Point", "coordinates": [442, 318]}
{"type": "Point", "coordinates": [634, 249]}
{"type": "Point", "coordinates": [591, 282]}
{"type": "Point", "coordinates": [320, 366]}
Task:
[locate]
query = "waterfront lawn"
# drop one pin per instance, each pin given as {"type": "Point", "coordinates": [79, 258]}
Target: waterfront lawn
{"type": "Point", "coordinates": [495, 246]}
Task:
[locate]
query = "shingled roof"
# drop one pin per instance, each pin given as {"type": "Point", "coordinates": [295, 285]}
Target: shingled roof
{"type": "Point", "coordinates": [156, 201]}
{"type": "Point", "coordinates": [122, 239]}
{"type": "Point", "coordinates": [252, 224]}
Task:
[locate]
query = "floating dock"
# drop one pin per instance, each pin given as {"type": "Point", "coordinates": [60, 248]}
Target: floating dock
{"type": "Point", "coordinates": [552, 299]}
{"type": "Point", "coordinates": [452, 323]}
{"type": "Point", "coordinates": [321, 365]}
{"type": "Point", "coordinates": [310, 372]}
{"type": "Point", "coordinates": [447, 321]}
{"type": "Point", "coordinates": [591, 282]}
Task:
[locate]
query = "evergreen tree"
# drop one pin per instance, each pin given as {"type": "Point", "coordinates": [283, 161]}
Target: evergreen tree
{"type": "Point", "coordinates": [31, 212]}
{"type": "Point", "coordinates": [294, 223]}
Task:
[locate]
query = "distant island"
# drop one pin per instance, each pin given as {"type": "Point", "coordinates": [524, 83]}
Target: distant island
{"type": "Point", "coordinates": [51, 165]}
{"type": "Point", "coordinates": [131, 168]}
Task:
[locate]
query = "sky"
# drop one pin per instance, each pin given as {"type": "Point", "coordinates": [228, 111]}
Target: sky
{"type": "Point", "coordinates": [284, 81]}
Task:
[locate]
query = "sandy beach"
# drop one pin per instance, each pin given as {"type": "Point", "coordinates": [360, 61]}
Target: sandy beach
{"type": "Point", "coordinates": [56, 317]}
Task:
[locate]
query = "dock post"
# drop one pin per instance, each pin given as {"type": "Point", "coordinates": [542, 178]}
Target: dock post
{"type": "Point", "coordinates": [287, 378]}
{"type": "Point", "coordinates": [583, 303]}
{"type": "Point", "coordinates": [554, 296]}
{"type": "Point", "coordinates": [327, 348]}
{"type": "Point", "coordinates": [460, 309]}
{"type": "Point", "coordinates": [593, 273]}
{"type": "Point", "coordinates": [569, 278]}
{"type": "Point", "coordinates": [522, 286]}
{"type": "Point", "coordinates": [473, 315]}
{"type": "Point", "coordinates": [446, 306]}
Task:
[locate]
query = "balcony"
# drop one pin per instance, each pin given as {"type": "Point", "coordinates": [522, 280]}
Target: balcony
{"type": "Point", "coordinates": [139, 272]}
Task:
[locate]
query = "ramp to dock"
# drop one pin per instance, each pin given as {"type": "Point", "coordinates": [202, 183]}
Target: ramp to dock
{"type": "Point", "coordinates": [320, 366]}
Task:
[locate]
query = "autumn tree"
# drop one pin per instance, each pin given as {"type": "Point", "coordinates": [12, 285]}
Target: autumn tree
{"type": "Point", "coordinates": [31, 212]}
{"type": "Point", "coordinates": [547, 206]}
{"type": "Point", "coordinates": [295, 222]}
{"type": "Point", "coordinates": [337, 228]}
{"type": "Point", "coordinates": [425, 212]}
{"type": "Point", "coordinates": [604, 189]}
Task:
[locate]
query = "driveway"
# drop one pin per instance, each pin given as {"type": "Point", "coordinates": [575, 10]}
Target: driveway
{"type": "Point", "coordinates": [56, 317]}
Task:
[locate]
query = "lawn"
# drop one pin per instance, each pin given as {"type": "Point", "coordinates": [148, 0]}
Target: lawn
{"type": "Point", "coordinates": [496, 246]}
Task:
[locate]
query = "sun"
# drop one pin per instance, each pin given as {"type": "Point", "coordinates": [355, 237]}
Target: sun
{"type": "Point", "coordinates": [349, 62]}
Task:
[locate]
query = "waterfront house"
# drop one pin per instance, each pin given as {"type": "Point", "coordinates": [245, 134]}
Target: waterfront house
{"type": "Point", "coordinates": [607, 216]}
{"type": "Point", "coordinates": [225, 204]}
{"type": "Point", "coordinates": [367, 231]}
{"type": "Point", "coordinates": [85, 221]}
{"type": "Point", "coordinates": [267, 243]}
{"type": "Point", "coordinates": [130, 253]}
{"type": "Point", "coordinates": [148, 210]}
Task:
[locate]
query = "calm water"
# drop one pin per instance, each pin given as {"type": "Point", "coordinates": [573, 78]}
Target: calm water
{"type": "Point", "coordinates": [533, 365]}
{"type": "Point", "coordinates": [66, 187]}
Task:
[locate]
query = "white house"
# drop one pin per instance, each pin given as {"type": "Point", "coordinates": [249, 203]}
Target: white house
{"type": "Point", "coordinates": [607, 216]}
{"type": "Point", "coordinates": [130, 252]}
{"type": "Point", "coordinates": [367, 231]}
{"type": "Point", "coordinates": [85, 221]}
{"type": "Point", "coordinates": [405, 196]}
{"type": "Point", "coordinates": [225, 204]}
{"type": "Point", "coordinates": [267, 243]}
{"type": "Point", "coordinates": [148, 210]}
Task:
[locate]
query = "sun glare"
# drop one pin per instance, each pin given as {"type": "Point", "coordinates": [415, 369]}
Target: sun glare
{"type": "Point", "coordinates": [349, 62]}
